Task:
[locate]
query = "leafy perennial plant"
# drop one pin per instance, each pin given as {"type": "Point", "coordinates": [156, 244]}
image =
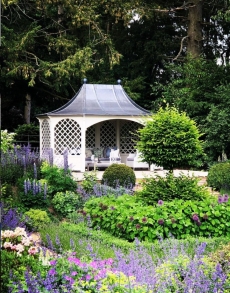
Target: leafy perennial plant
{"type": "Point", "coordinates": [128, 218]}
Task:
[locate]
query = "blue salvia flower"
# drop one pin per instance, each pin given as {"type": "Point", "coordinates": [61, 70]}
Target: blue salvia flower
{"type": "Point", "coordinates": [35, 172]}
{"type": "Point", "coordinates": [25, 187]}
{"type": "Point", "coordinates": [58, 243]}
{"type": "Point", "coordinates": [24, 163]}
{"type": "Point", "coordinates": [28, 185]}
{"type": "Point", "coordinates": [72, 244]}
{"type": "Point", "coordinates": [50, 243]}
{"type": "Point", "coordinates": [34, 187]}
{"type": "Point", "coordinates": [39, 187]}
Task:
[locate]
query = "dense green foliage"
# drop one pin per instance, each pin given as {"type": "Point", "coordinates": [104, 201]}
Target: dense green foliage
{"type": "Point", "coordinates": [66, 202]}
{"type": "Point", "coordinates": [170, 139]}
{"type": "Point", "coordinates": [34, 196]}
{"type": "Point", "coordinates": [119, 175]}
{"type": "Point", "coordinates": [37, 219]}
{"type": "Point", "coordinates": [103, 242]}
{"type": "Point", "coordinates": [6, 141]}
{"type": "Point", "coordinates": [58, 179]}
{"type": "Point", "coordinates": [126, 217]}
{"type": "Point", "coordinates": [27, 133]}
{"type": "Point", "coordinates": [219, 176]}
{"type": "Point", "coordinates": [170, 188]}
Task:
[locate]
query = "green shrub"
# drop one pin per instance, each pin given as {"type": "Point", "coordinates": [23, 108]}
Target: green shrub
{"type": "Point", "coordinates": [58, 179]}
{"type": "Point", "coordinates": [119, 174]}
{"type": "Point", "coordinates": [66, 203]}
{"type": "Point", "coordinates": [37, 219]}
{"type": "Point", "coordinates": [126, 217]}
{"type": "Point", "coordinates": [170, 139]}
{"type": "Point", "coordinates": [219, 176]}
{"type": "Point", "coordinates": [6, 141]}
{"type": "Point", "coordinates": [171, 187]}
{"type": "Point", "coordinates": [89, 180]}
{"type": "Point", "coordinates": [32, 193]}
{"type": "Point", "coordinates": [27, 133]}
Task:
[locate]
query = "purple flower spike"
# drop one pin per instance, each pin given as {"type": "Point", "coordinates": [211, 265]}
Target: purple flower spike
{"type": "Point", "coordinates": [161, 222]}
{"type": "Point", "coordinates": [160, 202]}
{"type": "Point", "coordinates": [225, 198]}
{"type": "Point", "coordinates": [25, 187]}
{"type": "Point", "coordinates": [131, 218]}
{"type": "Point", "coordinates": [195, 217]}
{"type": "Point", "coordinates": [220, 199]}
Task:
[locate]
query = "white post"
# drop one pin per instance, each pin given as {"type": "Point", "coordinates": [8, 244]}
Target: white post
{"type": "Point", "coordinates": [83, 141]}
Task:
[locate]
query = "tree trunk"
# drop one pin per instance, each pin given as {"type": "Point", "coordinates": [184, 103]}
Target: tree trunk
{"type": "Point", "coordinates": [27, 109]}
{"type": "Point", "coordinates": [194, 48]}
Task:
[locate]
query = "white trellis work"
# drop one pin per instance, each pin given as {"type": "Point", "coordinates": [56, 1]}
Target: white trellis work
{"type": "Point", "coordinates": [74, 135]}
{"type": "Point", "coordinates": [98, 116]}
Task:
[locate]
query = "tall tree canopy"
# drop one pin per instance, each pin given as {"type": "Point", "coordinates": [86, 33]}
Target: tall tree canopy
{"type": "Point", "coordinates": [165, 51]}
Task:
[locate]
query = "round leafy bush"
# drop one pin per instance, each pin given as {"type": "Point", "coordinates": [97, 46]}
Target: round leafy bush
{"type": "Point", "coordinates": [171, 187]}
{"type": "Point", "coordinates": [58, 179]}
{"type": "Point", "coordinates": [219, 176]}
{"type": "Point", "coordinates": [170, 139]}
{"type": "Point", "coordinates": [37, 218]}
{"type": "Point", "coordinates": [66, 202]}
{"type": "Point", "coordinates": [119, 175]}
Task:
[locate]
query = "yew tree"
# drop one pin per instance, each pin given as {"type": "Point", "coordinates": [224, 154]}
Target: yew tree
{"type": "Point", "coordinates": [170, 139]}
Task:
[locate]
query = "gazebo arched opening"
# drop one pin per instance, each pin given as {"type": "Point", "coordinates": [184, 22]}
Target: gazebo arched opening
{"type": "Point", "coordinates": [98, 116]}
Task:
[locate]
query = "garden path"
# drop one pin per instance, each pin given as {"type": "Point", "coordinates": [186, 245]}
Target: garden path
{"type": "Point", "coordinates": [141, 174]}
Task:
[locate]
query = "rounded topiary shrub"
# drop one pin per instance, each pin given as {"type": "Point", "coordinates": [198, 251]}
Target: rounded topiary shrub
{"type": "Point", "coordinates": [119, 175]}
{"type": "Point", "coordinates": [219, 176]}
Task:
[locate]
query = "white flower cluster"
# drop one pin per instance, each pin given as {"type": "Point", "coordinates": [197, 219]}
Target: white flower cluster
{"type": "Point", "coordinates": [18, 241]}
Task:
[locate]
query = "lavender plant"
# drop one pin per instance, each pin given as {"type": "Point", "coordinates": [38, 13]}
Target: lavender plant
{"type": "Point", "coordinates": [132, 272]}
{"type": "Point", "coordinates": [11, 217]}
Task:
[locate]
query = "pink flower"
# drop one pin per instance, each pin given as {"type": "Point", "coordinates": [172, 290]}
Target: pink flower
{"type": "Point", "coordinates": [33, 250]}
{"type": "Point", "coordinates": [75, 260]}
{"type": "Point", "coordinates": [7, 245]}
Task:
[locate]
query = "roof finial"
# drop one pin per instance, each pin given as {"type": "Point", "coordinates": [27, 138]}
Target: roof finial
{"type": "Point", "coordinates": [84, 80]}
{"type": "Point", "coordinates": [119, 81]}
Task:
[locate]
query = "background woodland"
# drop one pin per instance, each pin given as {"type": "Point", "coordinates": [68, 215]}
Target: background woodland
{"type": "Point", "coordinates": [172, 53]}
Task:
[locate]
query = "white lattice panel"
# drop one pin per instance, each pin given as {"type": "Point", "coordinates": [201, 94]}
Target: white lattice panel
{"type": "Point", "coordinates": [45, 129]}
{"type": "Point", "coordinates": [67, 134]}
{"type": "Point", "coordinates": [107, 135]}
{"type": "Point", "coordinates": [90, 137]}
{"type": "Point", "coordinates": [128, 136]}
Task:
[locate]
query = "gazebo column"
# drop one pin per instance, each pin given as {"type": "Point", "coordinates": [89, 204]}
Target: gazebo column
{"type": "Point", "coordinates": [118, 134]}
{"type": "Point", "coordinates": [83, 142]}
{"type": "Point", "coordinates": [40, 132]}
{"type": "Point", "coordinates": [52, 134]}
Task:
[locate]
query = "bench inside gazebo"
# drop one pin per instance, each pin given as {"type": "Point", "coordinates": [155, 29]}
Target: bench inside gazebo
{"type": "Point", "coordinates": [98, 119]}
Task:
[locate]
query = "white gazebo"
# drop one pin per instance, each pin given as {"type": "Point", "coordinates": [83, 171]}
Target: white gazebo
{"type": "Point", "coordinates": [98, 115]}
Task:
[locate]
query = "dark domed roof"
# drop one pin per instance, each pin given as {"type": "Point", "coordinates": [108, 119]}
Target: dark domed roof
{"type": "Point", "coordinates": [100, 100]}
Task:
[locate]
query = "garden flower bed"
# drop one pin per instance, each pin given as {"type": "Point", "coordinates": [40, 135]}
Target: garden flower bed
{"type": "Point", "coordinates": [85, 258]}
